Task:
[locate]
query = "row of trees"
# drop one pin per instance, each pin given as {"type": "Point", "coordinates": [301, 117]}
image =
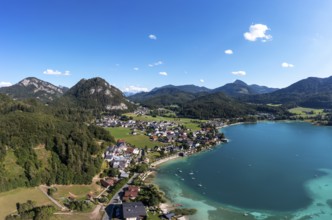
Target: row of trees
{"type": "Point", "coordinates": [29, 210]}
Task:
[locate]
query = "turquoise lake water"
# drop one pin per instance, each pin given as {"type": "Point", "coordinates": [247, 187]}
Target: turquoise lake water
{"type": "Point", "coordinates": [270, 170]}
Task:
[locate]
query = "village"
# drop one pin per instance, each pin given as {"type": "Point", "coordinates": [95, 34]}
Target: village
{"type": "Point", "coordinates": [126, 194]}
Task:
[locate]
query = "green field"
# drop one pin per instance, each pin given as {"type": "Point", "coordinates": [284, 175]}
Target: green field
{"type": "Point", "coordinates": [140, 140]}
{"type": "Point", "coordinates": [72, 216]}
{"type": "Point", "coordinates": [76, 191]}
{"type": "Point", "coordinates": [9, 199]}
{"type": "Point", "coordinates": [188, 122]}
{"type": "Point", "coordinates": [306, 112]}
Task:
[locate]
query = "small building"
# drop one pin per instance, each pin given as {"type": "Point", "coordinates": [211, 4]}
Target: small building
{"type": "Point", "coordinates": [169, 216]}
{"type": "Point", "coordinates": [123, 174]}
{"type": "Point", "coordinates": [108, 182]}
{"type": "Point", "coordinates": [133, 211]}
{"type": "Point", "coordinates": [131, 193]}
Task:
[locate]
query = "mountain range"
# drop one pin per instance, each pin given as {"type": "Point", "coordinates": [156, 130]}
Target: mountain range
{"type": "Point", "coordinates": [171, 94]}
{"type": "Point", "coordinates": [311, 92]}
{"type": "Point", "coordinates": [96, 93]}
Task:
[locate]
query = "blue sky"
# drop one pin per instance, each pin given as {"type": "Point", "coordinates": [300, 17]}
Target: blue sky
{"type": "Point", "coordinates": [139, 45]}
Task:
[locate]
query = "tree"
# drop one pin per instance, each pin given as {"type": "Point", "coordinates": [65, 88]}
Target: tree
{"type": "Point", "coordinates": [113, 172]}
{"type": "Point", "coordinates": [141, 168]}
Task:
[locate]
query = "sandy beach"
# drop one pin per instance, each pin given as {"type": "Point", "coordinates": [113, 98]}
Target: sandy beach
{"type": "Point", "coordinates": [156, 163]}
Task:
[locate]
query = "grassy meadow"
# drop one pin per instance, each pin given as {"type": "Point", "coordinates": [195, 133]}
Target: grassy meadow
{"type": "Point", "coordinates": [9, 199]}
{"type": "Point", "coordinates": [306, 112]}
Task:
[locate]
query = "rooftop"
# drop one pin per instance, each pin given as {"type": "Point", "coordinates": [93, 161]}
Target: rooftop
{"type": "Point", "coordinates": [133, 209]}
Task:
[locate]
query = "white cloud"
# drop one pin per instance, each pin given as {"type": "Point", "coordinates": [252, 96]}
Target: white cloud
{"type": "Point", "coordinates": [135, 89]}
{"type": "Point", "coordinates": [153, 37]}
{"type": "Point", "coordinates": [258, 31]}
{"type": "Point", "coordinates": [156, 63]}
{"type": "Point", "coordinates": [5, 84]}
{"type": "Point", "coordinates": [136, 68]}
{"type": "Point", "coordinates": [66, 73]}
{"type": "Point", "coordinates": [287, 65]}
{"type": "Point", "coordinates": [163, 73]}
{"type": "Point", "coordinates": [239, 73]}
{"type": "Point", "coordinates": [56, 72]}
{"type": "Point", "coordinates": [202, 80]}
{"type": "Point", "coordinates": [228, 52]}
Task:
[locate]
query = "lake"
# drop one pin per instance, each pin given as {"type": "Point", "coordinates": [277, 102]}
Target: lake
{"type": "Point", "coordinates": [270, 170]}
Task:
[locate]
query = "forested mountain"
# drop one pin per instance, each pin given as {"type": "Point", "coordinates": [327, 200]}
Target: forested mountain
{"type": "Point", "coordinates": [239, 88]}
{"type": "Point", "coordinates": [32, 87]}
{"type": "Point", "coordinates": [170, 94]}
{"type": "Point", "coordinates": [163, 97]}
{"type": "Point", "coordinates": [216, 105]}
{"type": "Point", "coordinates": [42, 144]}
{"type": "Point", "coordinates": [97, 94]}
{"type": "Point", "coordinates": [311, 92]}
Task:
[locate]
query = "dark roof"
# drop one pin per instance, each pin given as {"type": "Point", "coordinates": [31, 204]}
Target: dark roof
{"type": "Point", "coordinates": [133, 209]}
{"type": "Point", "coordinates": [169, 215]}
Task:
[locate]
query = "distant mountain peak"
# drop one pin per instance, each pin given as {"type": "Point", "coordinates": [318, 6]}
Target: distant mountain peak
{"type": "Point", "coordinates": [32, 87]}
{"type": "Point", "coordinates": [240, 82]}
{"type": "Point", "coordinates": [240, 88]}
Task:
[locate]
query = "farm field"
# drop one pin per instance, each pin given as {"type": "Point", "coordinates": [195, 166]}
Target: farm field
{"type": "Point", "coordinates": [9, 199]}
{"type": "Point", "coordinates": [75, 191]}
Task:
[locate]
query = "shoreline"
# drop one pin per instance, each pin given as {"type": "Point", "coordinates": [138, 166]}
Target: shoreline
{"type": "Point", "coordinates": [227, 212]}
{"type": "Point", "coordinates": [149, 176]}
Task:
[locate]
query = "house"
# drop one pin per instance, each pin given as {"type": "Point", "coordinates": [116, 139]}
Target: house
{"type": "Point", "coordinates": [136, 151]}
{"type": "Point", "coordinates": [133, 211]}
{"type": "Point", "coordinates": [123, 174]}
{"type": "Point", "coordinates": [108, 182]}
{"type": "Point", "coordinates": [169, 216]}
{"type": "Point", "coordinates": [131, 193]}
{"type": "Point", "coordinates": [109, 158]}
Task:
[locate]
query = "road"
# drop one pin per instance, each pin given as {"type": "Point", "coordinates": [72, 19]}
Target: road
{"type": "Point", "coordinates": [63, 208]}
{"type": "Point", "coordinates": [114, 200]}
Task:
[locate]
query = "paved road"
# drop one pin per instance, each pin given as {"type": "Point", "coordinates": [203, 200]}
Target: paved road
{"type": "Point", "coordinates": [114, 200]}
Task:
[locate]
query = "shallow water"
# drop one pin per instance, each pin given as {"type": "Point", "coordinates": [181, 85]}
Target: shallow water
{"type": "Point", "coordinates": [270, 170]}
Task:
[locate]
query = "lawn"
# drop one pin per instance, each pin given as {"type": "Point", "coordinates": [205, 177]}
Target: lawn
{"type": "Point", "coordinates": [120, 132]}
{"type": "Point", "coordinates": [140, 140]}
{"type": "Point", "coordinates": [308, 112]}
{"type": "Point", "coordinates": [72, 216]}
{"type": "Point", "coordinates": [153, 216]}
{"type": "Point", "coordinates": [76, 191]}
{"type": "Point", "coordinates": [9, 199]}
